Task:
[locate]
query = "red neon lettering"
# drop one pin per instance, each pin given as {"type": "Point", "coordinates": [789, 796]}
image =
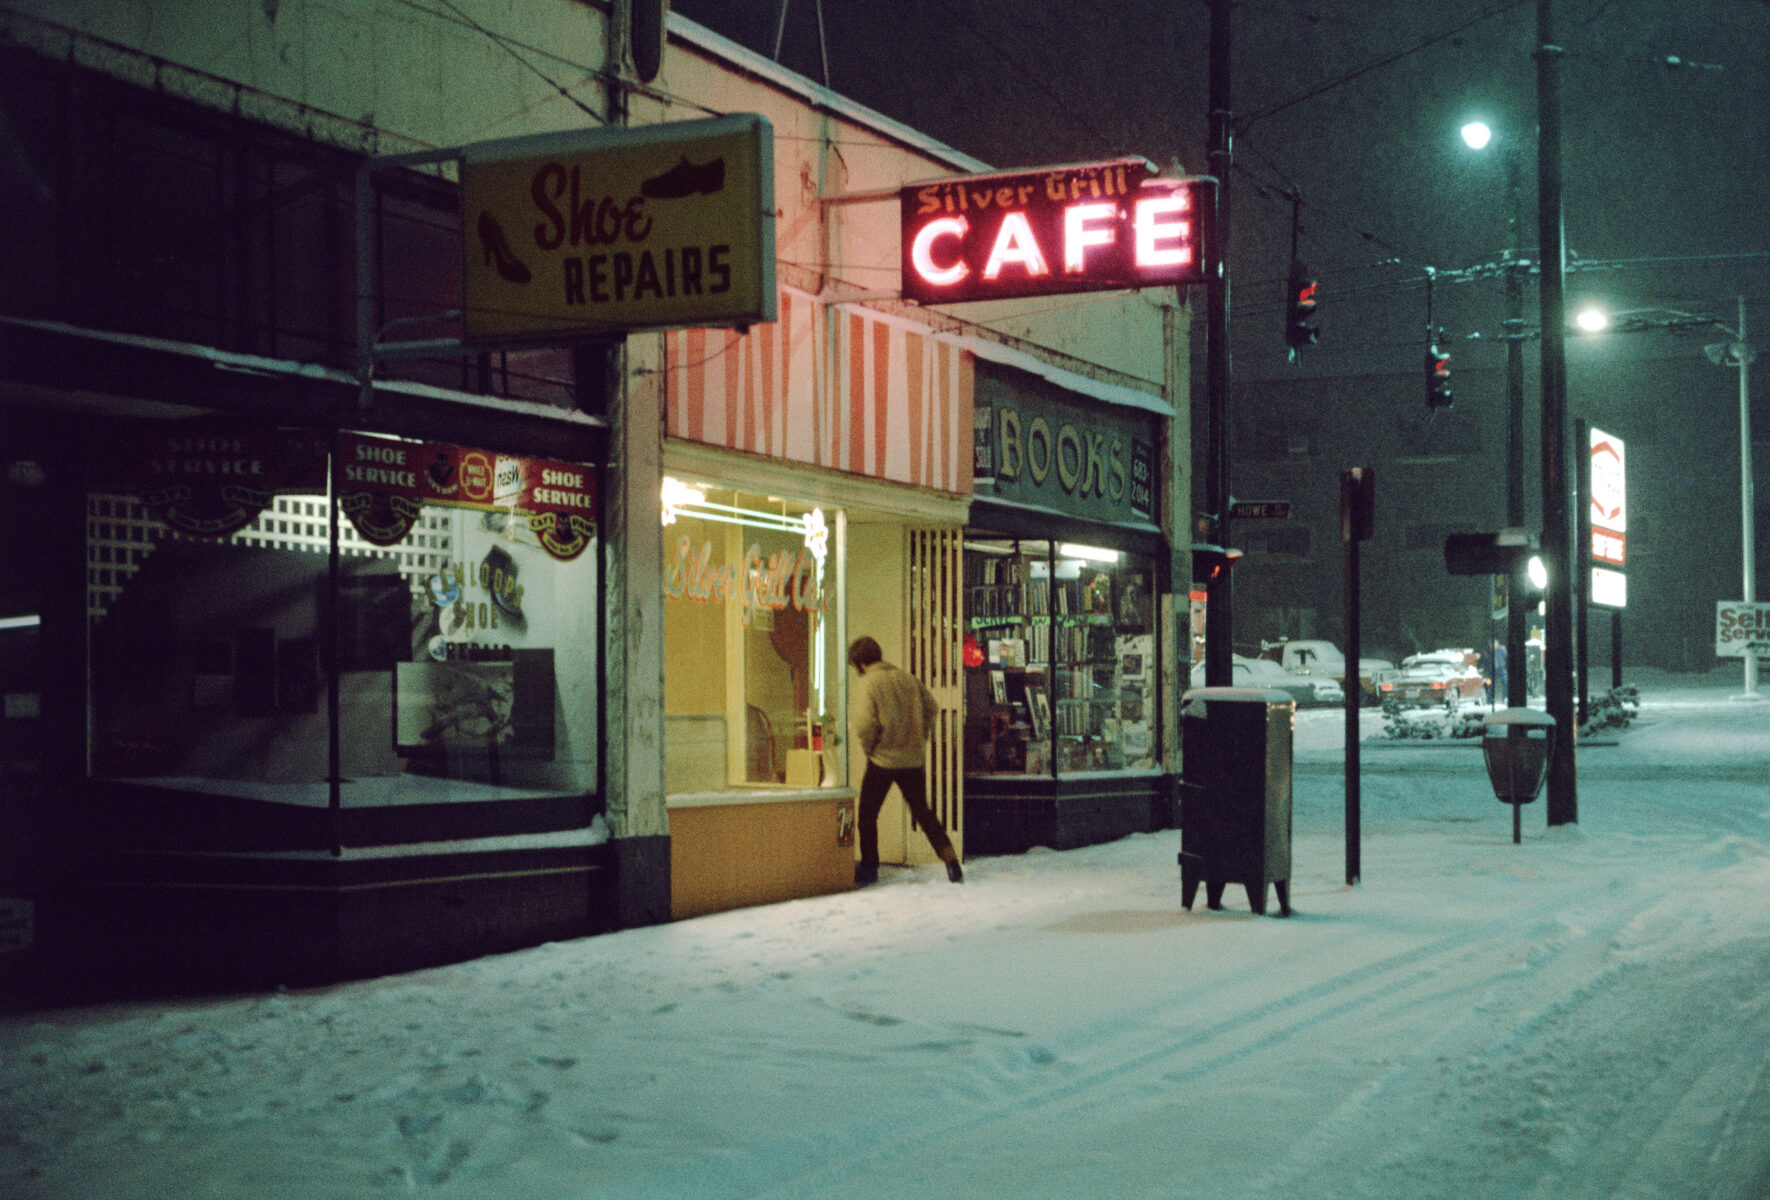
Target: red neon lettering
{"type": "Point", "coordinates": [1079, 234]}
{"type": "Point", "coordinates": [1163, 243]}
{"type": "Point", "coordinates": [922, 251]}
{"type": "Point", "coordinates": [1015, 243]}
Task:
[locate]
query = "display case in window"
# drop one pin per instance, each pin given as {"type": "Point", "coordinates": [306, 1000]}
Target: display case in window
{"type": "Point", "coordinates": [1060, 658]}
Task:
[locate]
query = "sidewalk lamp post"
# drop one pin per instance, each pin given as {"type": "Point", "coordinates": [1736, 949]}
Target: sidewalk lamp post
{"type": "Point", "coordinates": [1737, 352]}
{"type": "Point", "coordinates": [1477, 135]}
{"type": "Point", "coordinates": [1734, 352]}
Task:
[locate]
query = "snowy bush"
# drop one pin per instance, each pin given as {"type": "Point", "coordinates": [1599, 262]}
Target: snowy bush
{"type": "Point", "coordinates": [1398, 722]}
{"type": "Point", "coordinates": [1613, 710]}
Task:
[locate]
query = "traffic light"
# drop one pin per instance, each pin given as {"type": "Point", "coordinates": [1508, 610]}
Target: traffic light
{"type": "Point", "coordinates": [1300, 310]}
{"type": "Point", "coordinates": [1437, 378]}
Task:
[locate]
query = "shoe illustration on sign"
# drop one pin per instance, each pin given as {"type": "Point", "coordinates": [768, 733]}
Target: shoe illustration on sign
{"type": "Point", "coordinates": [497, 249]}
{"type": "Point", "coordinates": [685, 179]}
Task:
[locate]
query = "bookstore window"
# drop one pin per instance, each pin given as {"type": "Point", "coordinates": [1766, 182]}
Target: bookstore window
{"type": "Point", "coordinates": [753, 664]}
{"type": "Point", "coordinates": [1059, 655]}
{"type": "Point", "coordinates": [466, 618]}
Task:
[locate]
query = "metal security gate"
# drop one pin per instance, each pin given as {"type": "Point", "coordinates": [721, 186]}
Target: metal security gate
{"type": "Point", "coordinates": [933, 632]}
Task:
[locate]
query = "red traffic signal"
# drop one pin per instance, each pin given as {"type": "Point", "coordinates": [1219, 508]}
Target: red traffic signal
{"type": "Point", "coordinates": [1438, 393]}
{"type": "Point", "coordinates": [1300, 309]}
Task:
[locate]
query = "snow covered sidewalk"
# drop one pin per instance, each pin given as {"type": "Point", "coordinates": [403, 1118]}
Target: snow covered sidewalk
{"type": "Point", "coordinates": [1583, 1015]}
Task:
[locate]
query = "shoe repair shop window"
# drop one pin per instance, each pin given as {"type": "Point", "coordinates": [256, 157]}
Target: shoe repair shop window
{"type": "Point", "coordinates": [753, 660]}
{"type": "Point", "coordinates": [466, 619]}
{"type": "Point", "coordinates": [1059, 658]}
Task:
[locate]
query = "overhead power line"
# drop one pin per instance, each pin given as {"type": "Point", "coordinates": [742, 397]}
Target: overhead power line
{"type": "Point", "coordinates": [1244, 122]}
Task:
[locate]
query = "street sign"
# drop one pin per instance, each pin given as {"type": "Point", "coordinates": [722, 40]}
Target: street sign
{"type": "Point", "coordinates": [1740, 626]}
{"type": "Point", "coordinates": [1259, 510]}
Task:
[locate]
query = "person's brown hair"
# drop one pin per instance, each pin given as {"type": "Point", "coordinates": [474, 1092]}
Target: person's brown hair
{"type": "Point", "coordinates": [864, 652]}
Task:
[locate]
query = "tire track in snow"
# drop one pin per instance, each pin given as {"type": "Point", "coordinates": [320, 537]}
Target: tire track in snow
{"type": "Point", "coordinates": [1344, 995]}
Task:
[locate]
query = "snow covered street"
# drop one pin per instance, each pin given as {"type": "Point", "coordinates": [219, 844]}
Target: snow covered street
{"type": "Point", "coordinates": [1581, 1016]}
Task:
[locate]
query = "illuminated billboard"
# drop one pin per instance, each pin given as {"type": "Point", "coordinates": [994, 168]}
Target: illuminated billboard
{"type": "Point", "coordinates": [613, 229]}
{"type": "Point", "coordinates": [1609, 521]}
{"type": "Point", "coordinates": [1092, 227]}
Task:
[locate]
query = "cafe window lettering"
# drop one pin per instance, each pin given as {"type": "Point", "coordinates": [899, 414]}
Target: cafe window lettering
{"type": "Point", "coordinates": [1060, 658]}
{"type": "Point", "coordinates": [753, 659]}
{"type": "Point", "coordinates": [462, 617]}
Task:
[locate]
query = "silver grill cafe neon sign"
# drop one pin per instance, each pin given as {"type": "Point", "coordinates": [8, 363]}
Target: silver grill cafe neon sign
{"type": "Point", "coordinates": [1092, 227]}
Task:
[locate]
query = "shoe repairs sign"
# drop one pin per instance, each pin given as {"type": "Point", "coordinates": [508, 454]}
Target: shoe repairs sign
{"type": "Point", "coordinates": [608, 230]}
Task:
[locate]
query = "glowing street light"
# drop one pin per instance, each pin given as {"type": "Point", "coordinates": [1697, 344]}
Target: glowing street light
{"type": "Point", "coordinates": [1477, 135]}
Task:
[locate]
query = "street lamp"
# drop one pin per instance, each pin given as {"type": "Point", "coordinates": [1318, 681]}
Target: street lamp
{"type": "Point", "coordinates": [1478, 135]}
{"type": "Point", "coordinates": [1735, 352]}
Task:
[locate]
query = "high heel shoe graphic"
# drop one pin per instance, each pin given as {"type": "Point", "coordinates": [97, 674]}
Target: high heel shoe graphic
{"type": "Point", "coordinates": [685, 179]}
{"type": "Point", "coordinates": [491, 239]}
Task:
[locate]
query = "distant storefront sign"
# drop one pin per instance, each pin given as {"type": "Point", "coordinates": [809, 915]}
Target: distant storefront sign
{"type": "Point", "coordinates": [1609, 521]}
{"type": "Point", "coordinates": [1093, 227]}
{"type": "Point", "coordinates": [1741, 626]}
{"type": "Point", "coordinates": [621, 228]}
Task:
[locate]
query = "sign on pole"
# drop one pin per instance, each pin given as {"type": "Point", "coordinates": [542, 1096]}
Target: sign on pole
{"type": "Point", "coordinates": [1085, 228]}
{"type": "Point", "coordinates": [1261, 510]}
{"type": "Point", "coordinates": [1609, 520]}
{"type": "Point", "coordinates": [1740, 626]}
{"type": "Point", "coordinates": [615, 229]}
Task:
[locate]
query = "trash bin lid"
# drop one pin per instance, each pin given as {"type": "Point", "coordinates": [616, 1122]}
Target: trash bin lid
{"type": "Point", "coordinates": [1517, 716]}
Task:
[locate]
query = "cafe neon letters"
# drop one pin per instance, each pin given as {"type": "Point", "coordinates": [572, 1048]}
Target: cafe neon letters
{"type": "Point", "coordinates": [1096, 227]}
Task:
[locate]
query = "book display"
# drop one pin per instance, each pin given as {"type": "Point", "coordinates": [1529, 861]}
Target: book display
{"type": "Point", "coordinates": [1060, 662]}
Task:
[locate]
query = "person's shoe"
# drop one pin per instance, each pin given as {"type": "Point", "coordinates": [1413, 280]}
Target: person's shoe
{"type": "Point", "coordinates": [954, 871]}
{"type": "Point", "coordinates": [865, 873]}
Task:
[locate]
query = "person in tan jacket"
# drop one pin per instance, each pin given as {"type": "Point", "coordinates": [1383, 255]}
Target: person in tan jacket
{"type": "Point", "coordinates": [893, 719]}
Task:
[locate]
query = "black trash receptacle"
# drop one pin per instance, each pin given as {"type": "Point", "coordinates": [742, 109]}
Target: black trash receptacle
{"type": "Point", "coordinates": [1235, 804]}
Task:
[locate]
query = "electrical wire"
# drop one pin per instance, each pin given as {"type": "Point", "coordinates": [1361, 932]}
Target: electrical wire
{"type": "Point", "coordinates": [507, 45]}
{"type": "Point", "coordinates": [1242, 124]}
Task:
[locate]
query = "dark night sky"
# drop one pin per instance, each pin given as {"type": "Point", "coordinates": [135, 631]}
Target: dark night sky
{"type": "Point", "coordinates": [1659, 162]}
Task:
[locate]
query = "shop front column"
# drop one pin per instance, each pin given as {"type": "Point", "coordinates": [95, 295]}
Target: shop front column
{"type": "Point", "coordinates": [635, 648]}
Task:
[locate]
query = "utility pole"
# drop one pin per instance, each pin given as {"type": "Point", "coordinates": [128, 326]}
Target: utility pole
{"type": "Point", "coordinates": [1557, 536]}
{"type": "Point", "coordinates": [1748, 534]}
{"type": "Point", "coordinates": [1219, 649]}
{"type": "Point", "coordinates": [1517, 677]}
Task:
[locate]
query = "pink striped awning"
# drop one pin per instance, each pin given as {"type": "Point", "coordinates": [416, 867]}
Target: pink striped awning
{"type": "Point", "coordinates": [844, 388]}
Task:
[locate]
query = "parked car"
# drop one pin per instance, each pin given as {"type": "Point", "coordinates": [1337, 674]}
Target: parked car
{"type": "Point", "coordinates": [1264, 673]}
{"type": "Point", "coordinates": [1312, 656]}
{"type": "Point", "coordinates": [1447, 677]}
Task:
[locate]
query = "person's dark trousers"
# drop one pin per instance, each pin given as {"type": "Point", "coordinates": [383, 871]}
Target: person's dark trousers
{"type": "Point", "coordinates": [874, 785]}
